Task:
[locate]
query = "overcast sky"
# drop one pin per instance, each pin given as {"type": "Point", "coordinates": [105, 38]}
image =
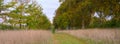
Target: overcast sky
{"type": "Point", "coordinates": [49, 7]}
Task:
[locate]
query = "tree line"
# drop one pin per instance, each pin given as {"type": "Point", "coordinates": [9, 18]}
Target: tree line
{"type": "Point", "coordinates": [72, 14]}
{"type": "Point", "coordinates": [23, 14]}
{"type": "Point", "coordinates": [75, 14]}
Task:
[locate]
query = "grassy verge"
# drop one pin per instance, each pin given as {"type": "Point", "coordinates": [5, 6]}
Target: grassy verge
{"type": "Point", "coordinates": [63, 38]}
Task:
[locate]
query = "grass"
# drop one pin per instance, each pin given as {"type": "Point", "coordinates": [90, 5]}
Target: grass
{"type": "Point", "coordinates": [63, 38]}
{"type": "Point", "coordinates": [96, 36]}
{"type": "Point", "coordinates": [67, 39]}
{"type": "Point", "coordinates": [25, 37]}
{"type": "Point", "coordinates": [60, 37]}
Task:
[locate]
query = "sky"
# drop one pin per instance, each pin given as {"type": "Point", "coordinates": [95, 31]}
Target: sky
{"type": "Point", "coordinates": [49, 7]}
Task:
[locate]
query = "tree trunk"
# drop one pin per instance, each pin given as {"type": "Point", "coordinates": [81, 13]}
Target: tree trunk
{"type": "Point", "coordinates": [91, 19]}
{"type": "Point", "coordinates": [20, 26]}
{"type": "Point", "coordinates": [83, 24]}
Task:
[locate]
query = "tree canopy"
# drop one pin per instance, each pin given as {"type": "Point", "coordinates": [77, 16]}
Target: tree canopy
{"type": "Point", "coordinates": [25, 14]}
{"type": "Point", "coordinates": [81, 14]}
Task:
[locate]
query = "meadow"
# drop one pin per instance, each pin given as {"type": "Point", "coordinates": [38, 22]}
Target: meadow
{"type": "Point", "coordinates": [25, 37]}
{"type": "Point", "coordinates": [96, 36]}
{"type": "Point", "coordinates": [80, 36]}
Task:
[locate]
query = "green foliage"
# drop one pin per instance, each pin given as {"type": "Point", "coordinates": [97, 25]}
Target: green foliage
{"type": "Point", "coordinates": [1, 5]}
{"type": "Point", "coordinates": [112, 24]}
{"type": "Point", "coordinates": [26, 16]}
{"type": "Point", "coordinates": [74, 12]}
{"type": "Point", "coordinates": [36, 19]}
{"type": "Point", "coordinates": [53, 29]}
{"type": "Point", "coordinates": [62, 21]}
{"type": "Point", "coordinates": [7, 27]}
{"type": "Point", "coordinates": [80, 13]}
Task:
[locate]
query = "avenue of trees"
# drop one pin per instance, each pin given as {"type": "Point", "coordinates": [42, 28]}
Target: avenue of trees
{"type": "Point", "coordinates": [22, 14]}
{"type": "Point", "coordinates": [74, 14]}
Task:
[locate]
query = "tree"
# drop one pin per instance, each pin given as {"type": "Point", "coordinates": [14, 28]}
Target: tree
{"type": "Point", "coordinates": [4, 11]}
{"type": "Point", "coordinates": [80, 13]}
{"type": "Point", "coordinates": [75, 13]}
{"type": "Point", "coordinates": [36, 17]}
{"type": "Point", "coordinates": [27, 14]}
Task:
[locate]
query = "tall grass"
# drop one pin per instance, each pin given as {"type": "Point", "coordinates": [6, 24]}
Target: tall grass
{"type": "Point", "coordinates": [25, 37]}
{"type": "Point", "coordinates": [101, 36]}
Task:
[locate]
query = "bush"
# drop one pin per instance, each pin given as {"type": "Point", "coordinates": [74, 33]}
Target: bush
{"type": "Point", "coordinates": [6, 27]}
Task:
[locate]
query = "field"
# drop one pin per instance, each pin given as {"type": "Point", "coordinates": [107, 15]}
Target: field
{"type": "Point", "coordinates": [25, 37]}
{"type": "Point", "coordinates": [99, 36]}
{"type": "Point", "coordinates": [86, 36]}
